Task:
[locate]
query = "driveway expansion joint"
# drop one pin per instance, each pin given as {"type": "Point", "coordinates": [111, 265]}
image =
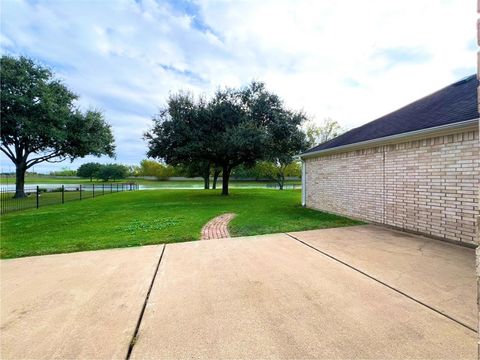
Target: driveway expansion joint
{"type": "Point", "coordinates": [440, 312]}
{"type": "Point", "coordinates": [142, 312]}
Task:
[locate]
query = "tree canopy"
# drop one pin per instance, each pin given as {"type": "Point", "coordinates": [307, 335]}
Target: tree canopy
{"type": "Point", "coordinates": [89, 170]}
{"type": "Point", "coordinates": [40, 121]}
{"type": "Point", "coordinates": [112, 172]}
{"type": "Point", "coordinates": [288, 140]}
{"type": "Point", "coordinates": [322, 132]}
{"type": "Point", "coordinates": [154, 168]}
{"type": "Point", "coordinates": [235, 127]}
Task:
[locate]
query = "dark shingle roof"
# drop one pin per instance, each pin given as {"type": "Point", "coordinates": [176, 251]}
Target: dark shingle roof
{"type": "Point", "coordinates": [452, 104]}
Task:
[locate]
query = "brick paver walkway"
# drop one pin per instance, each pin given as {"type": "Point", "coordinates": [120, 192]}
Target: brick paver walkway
{"type": "Point", "coordinates": [217, 228]}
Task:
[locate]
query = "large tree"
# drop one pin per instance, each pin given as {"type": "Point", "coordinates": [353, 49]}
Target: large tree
{"type": "Point", "coordinates": [89, 170]}
{"type": "Point", "coordinates": [236, 127]}
{"type": "Point", "coordinates": [40, 121]}
{"type": "Point", "coordinates": [237, 122]}
{"type": "Point", "coordinates": [112, 172]}
{"type": "Point", "coordinates": [253, 124]}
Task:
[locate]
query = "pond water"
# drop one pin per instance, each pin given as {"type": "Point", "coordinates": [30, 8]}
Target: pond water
{"type": "Point", "coordinates": [54, 186]}
{"type": "Point", "coordinates": [161, 185]}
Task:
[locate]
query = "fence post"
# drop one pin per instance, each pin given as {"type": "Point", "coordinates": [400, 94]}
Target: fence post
{"type": "Point", "coordinates": [117, 187]}
{"type": "Point", "coordinates": [103, 189]}
{"type": "Point", "coordinates": [93, 191]}
{"type": "Point", "coordinates": [38, 196]}
{"type": "Point", "coordinates": [80, 191]}
{"type": "Point", "coordinates": [111, 188]}
{"type": "Point", "coordinates": [63, 194]}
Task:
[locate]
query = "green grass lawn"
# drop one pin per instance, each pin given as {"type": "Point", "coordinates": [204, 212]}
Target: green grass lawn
{"type": "Point", "coordinates": [152, 217]}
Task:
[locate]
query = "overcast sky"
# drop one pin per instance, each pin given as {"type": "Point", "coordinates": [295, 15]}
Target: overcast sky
{"type": "Point", "coordinates": [352, 60]}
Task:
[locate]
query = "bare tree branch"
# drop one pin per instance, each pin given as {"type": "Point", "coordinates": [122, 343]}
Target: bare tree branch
{"type": "Point", "coordinates": [40, 159]}
{"type": "Point", "coordinates": [56, 161]}
{"type": "Point", "coordinates": [6, 150]}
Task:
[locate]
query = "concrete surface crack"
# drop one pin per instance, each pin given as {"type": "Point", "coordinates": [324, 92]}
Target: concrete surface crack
{"type": "Point", "coordinates": [421, 248]}
{"type": "Point", "coordinates": [383, 283]}
{"type": "Point", "coordinates": [140, 318]}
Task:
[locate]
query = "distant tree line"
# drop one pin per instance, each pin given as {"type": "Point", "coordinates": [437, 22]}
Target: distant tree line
{"type": "Point", "coordinates": [104, 172]}
{"type": "Point", "coordinates": [318, 133]}
{"type": "Point", "coordinates": [63, 172]}
{"type": "Point", "coordinates": [156, 169]}
{"type": "Point", "coordinates": [262, 170]}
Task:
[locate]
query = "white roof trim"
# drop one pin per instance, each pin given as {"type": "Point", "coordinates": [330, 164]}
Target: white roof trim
{"type": "Point", "coordinates": [443, 129]}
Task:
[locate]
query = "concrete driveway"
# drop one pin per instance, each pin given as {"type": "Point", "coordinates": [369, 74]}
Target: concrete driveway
{"type": "Point", "coordinates": [357, 292]}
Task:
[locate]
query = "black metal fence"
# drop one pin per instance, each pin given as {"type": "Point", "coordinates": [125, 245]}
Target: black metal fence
{"type": "Point", "coordinates": [285, 186]}
{"type": "Point", "coordinates": [38, 196]}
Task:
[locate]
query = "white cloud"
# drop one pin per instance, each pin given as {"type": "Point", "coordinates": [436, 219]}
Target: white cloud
{"type": "Point", "coordinates": [349, 60]}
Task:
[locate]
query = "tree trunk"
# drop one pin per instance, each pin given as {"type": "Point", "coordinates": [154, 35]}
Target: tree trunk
{"type": "Point", "coordinates": [206, 177]}
{"type": "Point", "coordinates": [281, 177]}
{"type": "Point", "coordinates": [206, 182]}
{"type": "Point", "coordinates": [20, 171]}
{"type": "Point", "coordinates": [225, 177]}
{"type": "Point", "coordinates": [281, 182]}
{"type": "Point", "coordinates": [215, 177]}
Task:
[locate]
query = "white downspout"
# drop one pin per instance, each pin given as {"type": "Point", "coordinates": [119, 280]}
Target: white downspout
{"type": "Point", "coordinates": [304, 183]}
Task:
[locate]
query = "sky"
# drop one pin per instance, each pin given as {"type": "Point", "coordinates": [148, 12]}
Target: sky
{"type": "Point", "coordinates": [350, 60]}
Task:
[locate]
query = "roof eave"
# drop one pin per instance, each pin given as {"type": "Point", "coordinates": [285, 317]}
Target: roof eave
{"type": "Point", "coordinates": [411, 135]}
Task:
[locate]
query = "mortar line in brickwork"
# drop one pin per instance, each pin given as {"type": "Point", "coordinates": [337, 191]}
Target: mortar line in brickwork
{"type": "Point", "coordinates": [384, 189]}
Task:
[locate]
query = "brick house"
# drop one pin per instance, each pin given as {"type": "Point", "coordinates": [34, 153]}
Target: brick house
{"type": "Point", "coordinates": [416, 169]}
